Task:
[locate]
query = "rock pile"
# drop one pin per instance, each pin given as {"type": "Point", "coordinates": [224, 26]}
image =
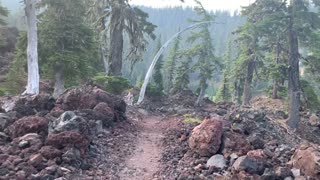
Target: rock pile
{"type": "Point", "coordinates": [245, 144]}
{"type": "Point", "coordinates": [41, 138]}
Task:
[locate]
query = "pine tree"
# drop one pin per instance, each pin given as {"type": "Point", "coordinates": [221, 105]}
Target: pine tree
{"type": "Point", "coordinates": [67, 43]}
{"type": "Point", "coordinates": [203, 51]}
{"type": "Point", "coordinates": [247, 40]}
{"type": "Point", "coordinates": [123, 20]}
{"type": "Point", "coordinates": [181, 80]}
{"type": "Point", "coordinates": [295, 19]}
{"type": "Point", "coordinates": [313, 64]}
{"type": "Point", "coordinates": [17, 73]}
{"type": "Point", "coordinates": [3, 13]}
{"type": "Point", "coordinates": [157, 75]}
{"type": "Point", "coordinates": [170, 65]}
{"type": "Point", "coordinates": [224, 92]}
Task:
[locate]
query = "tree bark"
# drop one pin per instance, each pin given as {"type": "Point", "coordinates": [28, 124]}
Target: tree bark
{"type": "Point", "coordinates": [104, 57]}
{"type": "Point", "coordinates": [59, 82]}
{"type": "Point", "coordinates": [103, 46]}
{"type": "Point", "coordinates": [201, 95]}
{"type": "Point", "coordinates": [293, 79]}
{"type": "Point", "coordinates": [275, 89]}
{"type": "Point", "coordinates": [235, 92]}
{"type": "Point", "coordinates": [276, 81]}
{"type": "Point", "coordinates": [32, 49]}
{"type": "Point", "coordinates": [248, 82]}
{"type": "Point", "coordinates": [116, 43]}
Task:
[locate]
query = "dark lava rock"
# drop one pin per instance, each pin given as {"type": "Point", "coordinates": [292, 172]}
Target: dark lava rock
{"type": "Point", "coordinates": [249, 164]}
{"type": "Point", "coordinates": [256, 142]}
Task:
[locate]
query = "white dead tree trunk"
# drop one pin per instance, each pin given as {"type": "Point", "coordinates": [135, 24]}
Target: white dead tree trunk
{"type": "Point", "coordinates": [59, 82]}
{"type": "Point", "coordinates": [155, 59]}
{"type": "Point", "coordinates": [32, 50]}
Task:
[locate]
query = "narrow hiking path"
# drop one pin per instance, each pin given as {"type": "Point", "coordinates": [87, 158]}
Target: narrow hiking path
{"type": "Point", "coordinates": [145, 160]}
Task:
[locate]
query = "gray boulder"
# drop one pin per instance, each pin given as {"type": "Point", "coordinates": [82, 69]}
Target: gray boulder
{"type": "Point", "coordinates": [217, 160]}
{"type": "Point", "coordinates": [69, 121]}
{"type": "Point", "coordinates": [250, 165]}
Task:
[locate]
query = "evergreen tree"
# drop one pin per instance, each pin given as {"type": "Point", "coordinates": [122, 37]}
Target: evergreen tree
{"type": "Point", "coordinates": [157, 75]}
{"type": "Point", "coordinates": [170, 65]}
{"type": "Point", "coordinates": [295, 19]}
{"type": "Point", "coordinates": [312, 66]}
{"type": "Point", "coordinates": [181, 80]}
{"type": "Point", "coordinates": [224, 92]}
{"type": "Point", "coordinates": [247, 40]}
{"type": "Point", "coordinates": [3, 13]}
{"type": "Point", "coordinates": [271, 24]}
{"type": "Point", "coordinates": [203, 51]}
{"type": "Point", "coordinates": [66, 43]}
{"type": "Point", "coordinates": [17, 73]}
{"type": "Point", "coordinates": [122, 20]}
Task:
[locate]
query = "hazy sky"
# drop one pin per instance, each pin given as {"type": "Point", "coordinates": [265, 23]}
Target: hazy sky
{"type": "Point", "coordinates": [208, 4]}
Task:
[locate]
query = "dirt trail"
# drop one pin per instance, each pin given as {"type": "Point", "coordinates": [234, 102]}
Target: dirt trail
{"type": "Point", "coordinates": [145, 161]}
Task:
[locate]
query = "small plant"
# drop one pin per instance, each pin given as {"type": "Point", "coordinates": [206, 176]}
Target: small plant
{"type": "Point", "coordinates": [192, 120]}
{"type": "Point", "coordinates": [112, 84]}
{"type": "Point", "coordinates": [187, 115]}
{"type": "Point", "coordinates": [2, 92]}
{"type": "Point", "coordinates": [189, 119]}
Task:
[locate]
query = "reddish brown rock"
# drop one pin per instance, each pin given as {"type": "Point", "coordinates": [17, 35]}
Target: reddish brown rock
{"type": "Point", "coordinates": [35, 160]}
{"type": "Point", "coordinates": [50, 152]}
{"type": "Point", "coordinates": [30, 124]}
{"type": "Point", "coordinates": [33, 142]}
{"type": "Point", "coordinates": [314, 120]}
{"type": "Point", "coordinates": [33, 139]}
{"type": "Point", "coordinates": [104, 112]}
{"type": "Point", "coordinates": [88, 97]}
{"type": "Point", "coordinates": [235, 143]}
{"type": "Point", "coordinates": [68, 139]}
{"type": "Point", "coordinates": [183, 138]}
{"type": "Point", "coordinates": [57, 111]}
{"type": "Point", "coordinates": [258, 153]}
{"type": "Point", "coordinates": [307, 159]}
{"type": "Point", "coordinates": [206, 137]}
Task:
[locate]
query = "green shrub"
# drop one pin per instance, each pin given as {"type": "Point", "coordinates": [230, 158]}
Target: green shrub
{"type": "Point", "coordinates": [153, 91]}
{"type": "Point", "coordinates": [112, 84]}
{"type": "Point", "coordinates": [282, 91]}
{"type": "Point", "coordinates": [310, 95]}
{"type": "Point", "coordinates": [2, 92]}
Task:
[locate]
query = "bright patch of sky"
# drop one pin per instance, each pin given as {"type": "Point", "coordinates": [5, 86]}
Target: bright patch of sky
{"type": "Point", "coordinates": [208, 4]}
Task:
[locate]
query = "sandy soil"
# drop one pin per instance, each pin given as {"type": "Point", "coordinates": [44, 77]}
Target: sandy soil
{"type": "Point", "coordinates": [145, 161]}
